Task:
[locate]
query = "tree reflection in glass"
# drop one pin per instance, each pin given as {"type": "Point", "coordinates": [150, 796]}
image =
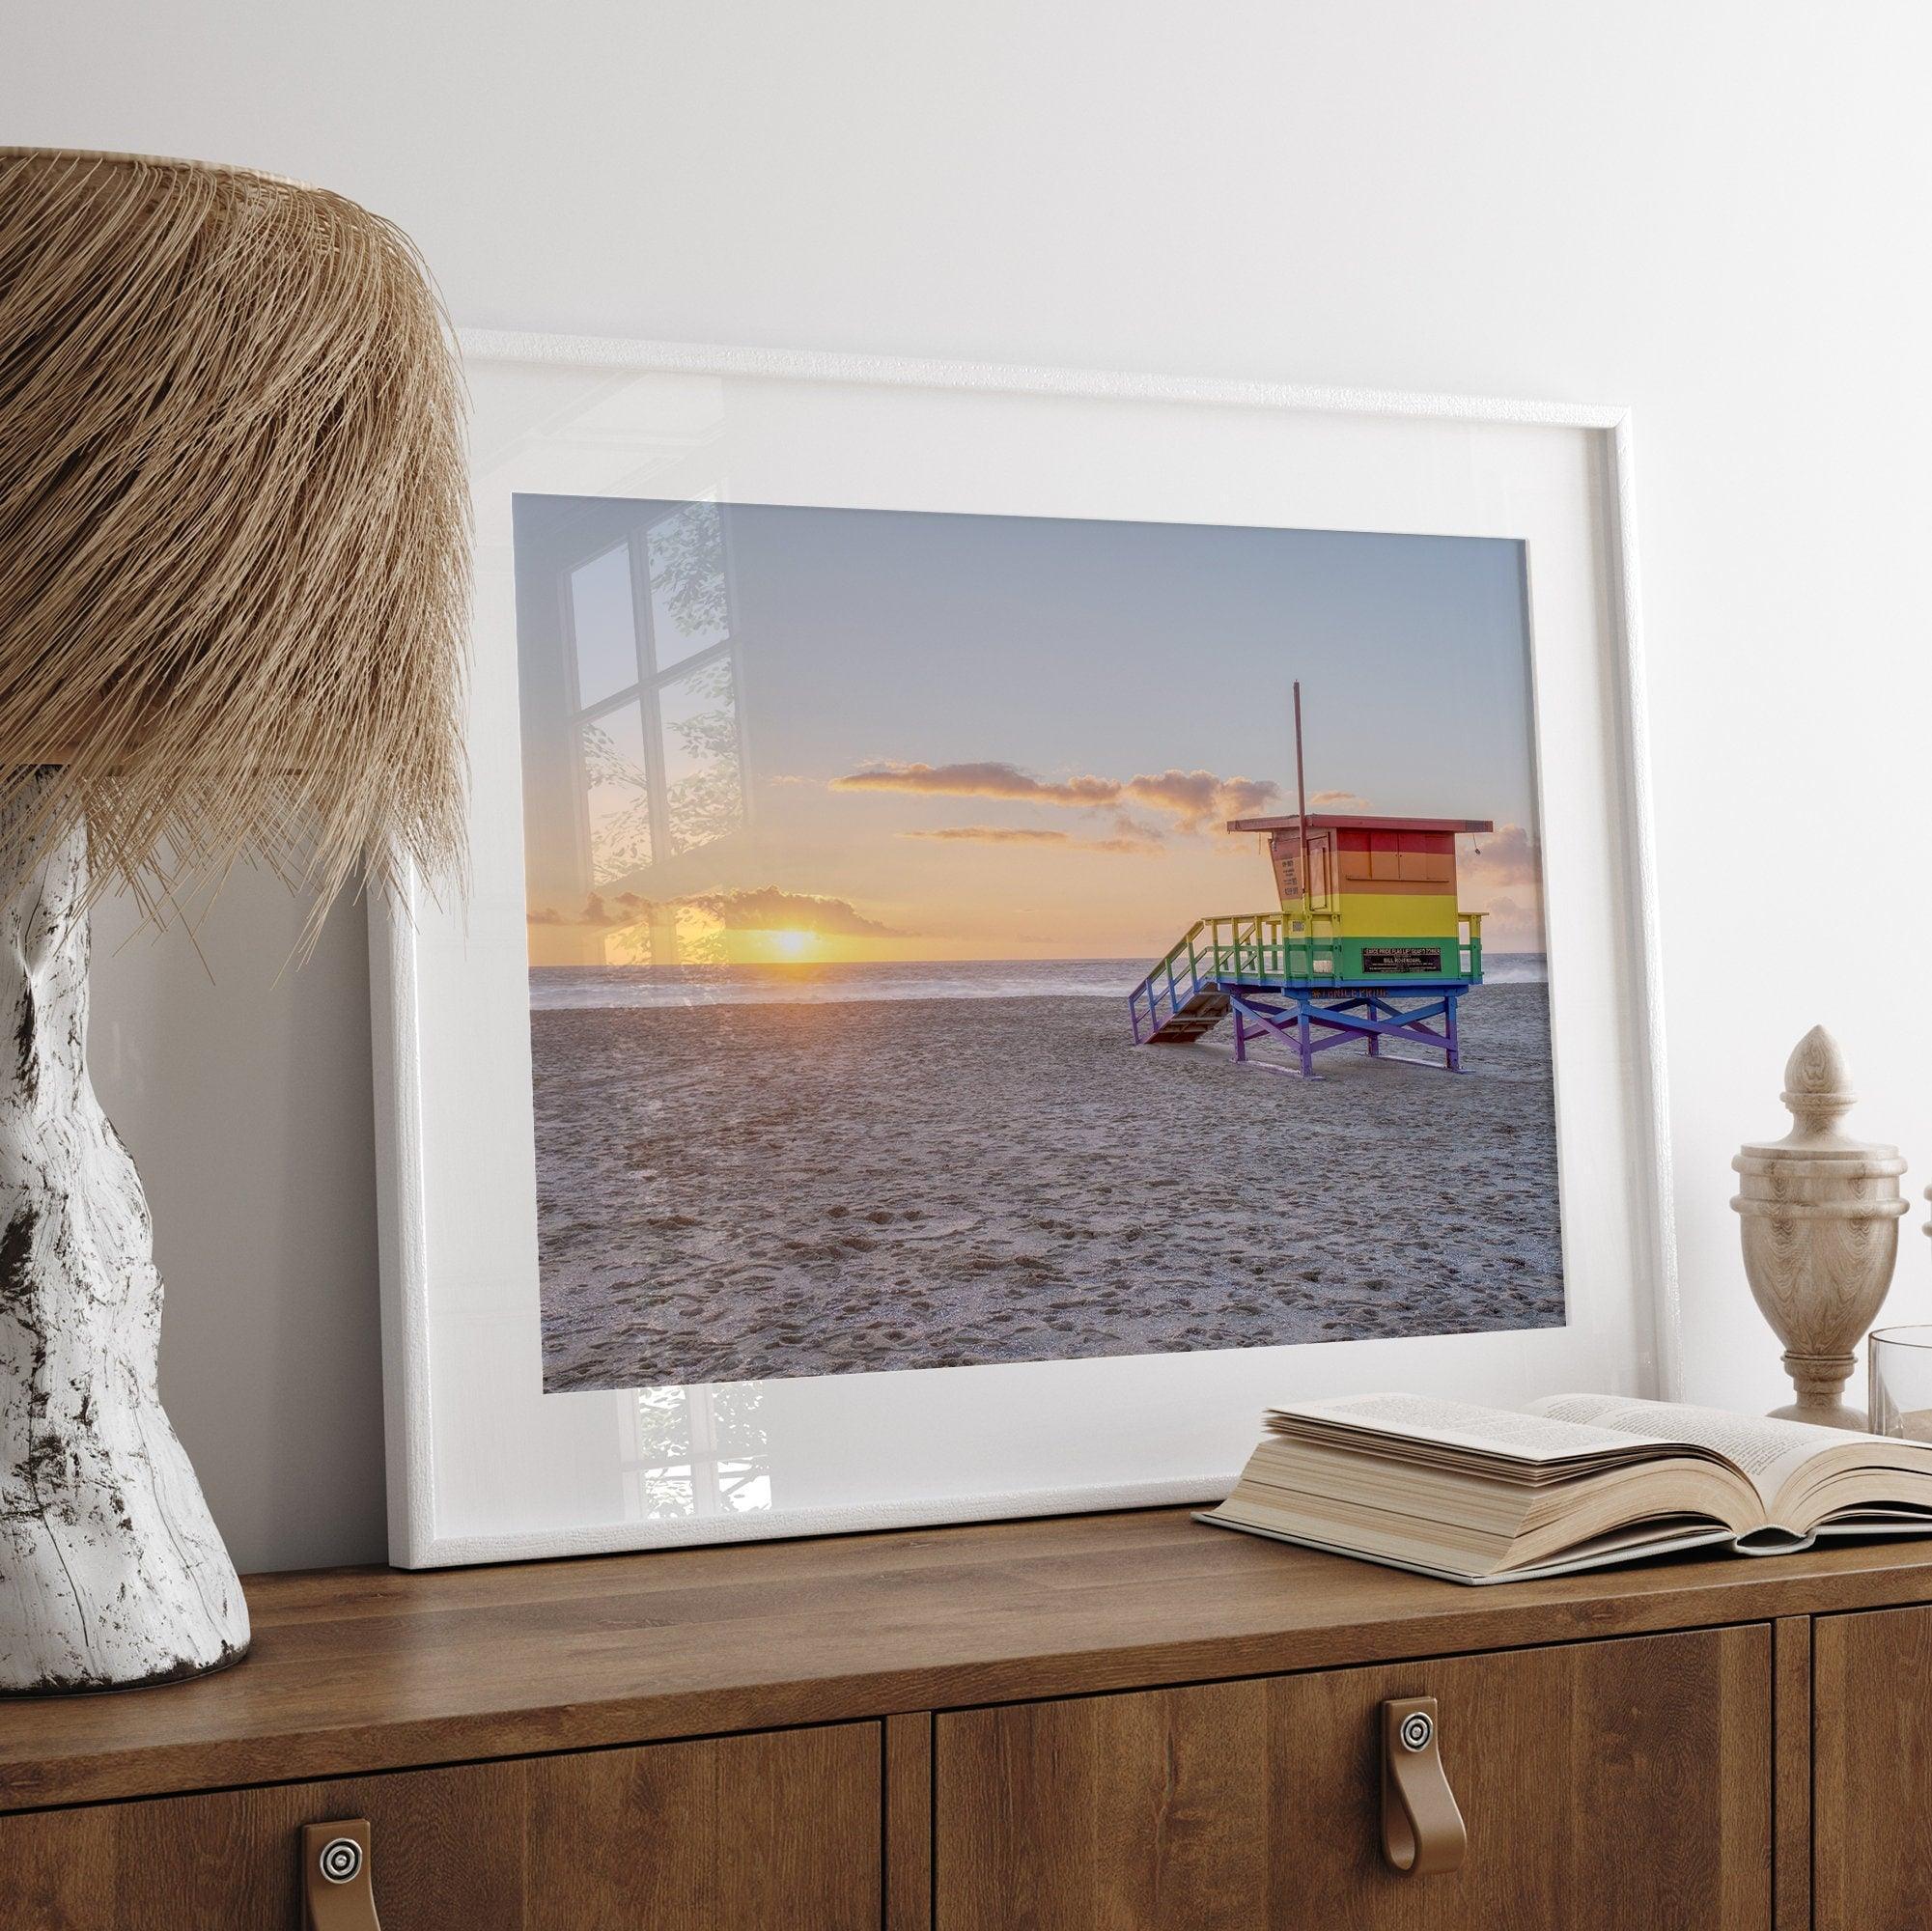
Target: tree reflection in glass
{"type": "Point", "coordinates": [617, 794]}
{"type": "Point", "coordinates": [704, 786]}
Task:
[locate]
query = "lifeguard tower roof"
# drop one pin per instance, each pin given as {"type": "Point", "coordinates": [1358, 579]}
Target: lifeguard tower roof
{"type": "Point", "coordinates": [1358, 865]}
{"type": "Point", "coordinates": [1321, 821]}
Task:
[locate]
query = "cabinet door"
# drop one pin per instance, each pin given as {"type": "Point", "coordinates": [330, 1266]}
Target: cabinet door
{"type": "Point", "coordinates": [1871, 1789]}
{"type": "Point", "coordinates": [779, 1830]}
{"type": "Point", "coordinates": [1607, 1787]}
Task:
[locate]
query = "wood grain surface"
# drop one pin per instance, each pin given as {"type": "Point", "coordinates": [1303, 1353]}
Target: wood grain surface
{"type": "Point", "coordinates": [909, 1822]}
{"type": "Point", "coordinates": [1791, 1789]}
{"type": "Point", "coordinates": [1872, 1772]}
{"type": "Point", "coordinates": [759, 1833]}
{"type": "Point", "coordinates": [362, 1670]}
{"type": "Point", "coordinates": [1614, 1786]}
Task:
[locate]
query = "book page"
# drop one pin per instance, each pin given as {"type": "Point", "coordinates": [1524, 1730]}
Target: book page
{"type": "Point", "coordinates": [1496, 1431]}
{"type": "Point", "coordinates": [1638, 1546]}
{"type": "Point", "coordinates": [1765, 1451]}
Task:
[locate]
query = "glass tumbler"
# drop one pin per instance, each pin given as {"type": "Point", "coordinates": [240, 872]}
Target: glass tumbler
{"type": "Point", "coordinates": [1901, 1381]}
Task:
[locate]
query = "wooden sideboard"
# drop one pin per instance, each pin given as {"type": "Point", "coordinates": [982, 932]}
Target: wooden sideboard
{"type": "Point", "coordinates": [1116, 1720]}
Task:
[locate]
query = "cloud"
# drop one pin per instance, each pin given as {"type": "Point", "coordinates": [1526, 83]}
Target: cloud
{"type": "Point", "coordinates": [738, 911]}
{"type": "Point", "coordinates": [1241, 797]}
{"type": "Point", "coordinates": [770, 908]}
{"type": "Point", "coordinates": [1502, 858]}
{"type": "Point", "coordinates": [994, 834]}
{"type": "Point", "coordinates": [1511, 925]}
{"type": "Point", "coordinates": [1500, 874]}
{"type": "Point", "coordinates": [987, 780]}
{"type": "Point", "coordinates": [1337, 800]}
{"type": "Point", "coordinates": [1128, 836]}
{"type": "Point", "coordinates": [1189, 795]}
{"type": "Point", "coordinates": [1199, 800]}
{"type": "Point", "coordinates": [599, 916]}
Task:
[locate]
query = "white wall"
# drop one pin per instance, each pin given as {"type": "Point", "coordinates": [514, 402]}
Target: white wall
{"type": "Point", "coordinates": [1713, 211]}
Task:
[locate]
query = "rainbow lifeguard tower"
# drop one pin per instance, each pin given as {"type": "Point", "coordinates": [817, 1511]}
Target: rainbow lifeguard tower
{"type": "Point", "coordinates": [1369, 943]}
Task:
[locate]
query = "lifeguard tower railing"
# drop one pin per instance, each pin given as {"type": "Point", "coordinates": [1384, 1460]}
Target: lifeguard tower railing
{"type": "Point", "coordinates": [1228, 965]}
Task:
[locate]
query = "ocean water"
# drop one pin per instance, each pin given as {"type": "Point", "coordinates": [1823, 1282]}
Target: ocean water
{"type": "Point", "coordinates": [653, 988]}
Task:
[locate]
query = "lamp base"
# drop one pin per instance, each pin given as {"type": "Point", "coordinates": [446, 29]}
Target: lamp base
{"type": "Point", "coordinates": [112, 1573]}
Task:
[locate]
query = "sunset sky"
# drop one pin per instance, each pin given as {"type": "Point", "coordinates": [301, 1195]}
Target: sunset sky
{"type": "Point", "coordinates": [984, 738]}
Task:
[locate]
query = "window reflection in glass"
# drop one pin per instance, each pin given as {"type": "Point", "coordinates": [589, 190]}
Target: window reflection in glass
{"type": "Point", "coordinates": [653, 709]}
{"type": "Point", "coordinates": [698, 1451]}
{"type": "Point", "coordinates": [689, 598]}
{"type": "Point", "coordinates": [603, 626]}
{"type": "Point", "coordinates": [617, 793]}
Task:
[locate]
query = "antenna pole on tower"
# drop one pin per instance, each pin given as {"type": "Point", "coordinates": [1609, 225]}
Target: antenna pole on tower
{"type": "Point", "coordinates": [1301, 805]}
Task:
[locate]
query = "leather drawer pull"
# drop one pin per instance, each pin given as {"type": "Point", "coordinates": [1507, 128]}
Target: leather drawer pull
{"type": "Point", "coordinates": [336, 1893]}
{"type": "Point", "coordinates": [1422, 1830]}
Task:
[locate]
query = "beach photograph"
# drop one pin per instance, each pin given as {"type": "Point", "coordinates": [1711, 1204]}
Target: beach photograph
{"type": "Point", "coordinates": [962, 939]}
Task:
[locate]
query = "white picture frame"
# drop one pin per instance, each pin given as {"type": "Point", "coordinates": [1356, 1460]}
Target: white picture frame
{"type": "Point", "coordinates": [483, 1464]}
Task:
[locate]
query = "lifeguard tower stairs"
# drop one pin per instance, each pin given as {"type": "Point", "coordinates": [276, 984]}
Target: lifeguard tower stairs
{"type": "Point", "coordinates": [1368, 946]}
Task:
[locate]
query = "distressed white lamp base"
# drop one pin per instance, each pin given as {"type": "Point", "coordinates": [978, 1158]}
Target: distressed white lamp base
{"type": "Point", "coordinates": [111, 1571]}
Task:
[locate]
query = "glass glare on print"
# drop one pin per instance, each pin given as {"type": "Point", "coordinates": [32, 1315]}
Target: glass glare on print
{"type": "Point", "coordinates": [901, 996]}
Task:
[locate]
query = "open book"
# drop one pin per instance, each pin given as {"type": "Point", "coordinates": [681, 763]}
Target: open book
{"type": "Point", "coordinates": [1488, 1495]}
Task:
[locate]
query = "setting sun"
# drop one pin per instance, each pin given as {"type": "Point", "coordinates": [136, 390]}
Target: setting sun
{"type": "Point", "coordinates": [792, 945]}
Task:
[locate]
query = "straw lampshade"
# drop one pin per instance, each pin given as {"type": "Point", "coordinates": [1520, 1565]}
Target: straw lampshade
{"type": "Point", "coordinates": [233, 599]}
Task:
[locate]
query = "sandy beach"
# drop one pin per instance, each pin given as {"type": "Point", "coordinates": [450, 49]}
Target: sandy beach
{"type": "Point", "coordinates": [734, 1191]}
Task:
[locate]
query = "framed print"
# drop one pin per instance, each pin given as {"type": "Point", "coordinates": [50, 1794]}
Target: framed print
{"type": "Point", "coordinates": [1017, 918]}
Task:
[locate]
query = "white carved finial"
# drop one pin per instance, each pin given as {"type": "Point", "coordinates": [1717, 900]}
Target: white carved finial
{"type": "Point", "coordinates": [1820, 1215]}
{"type": "Point", "coordinates": [1817, 1089]}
